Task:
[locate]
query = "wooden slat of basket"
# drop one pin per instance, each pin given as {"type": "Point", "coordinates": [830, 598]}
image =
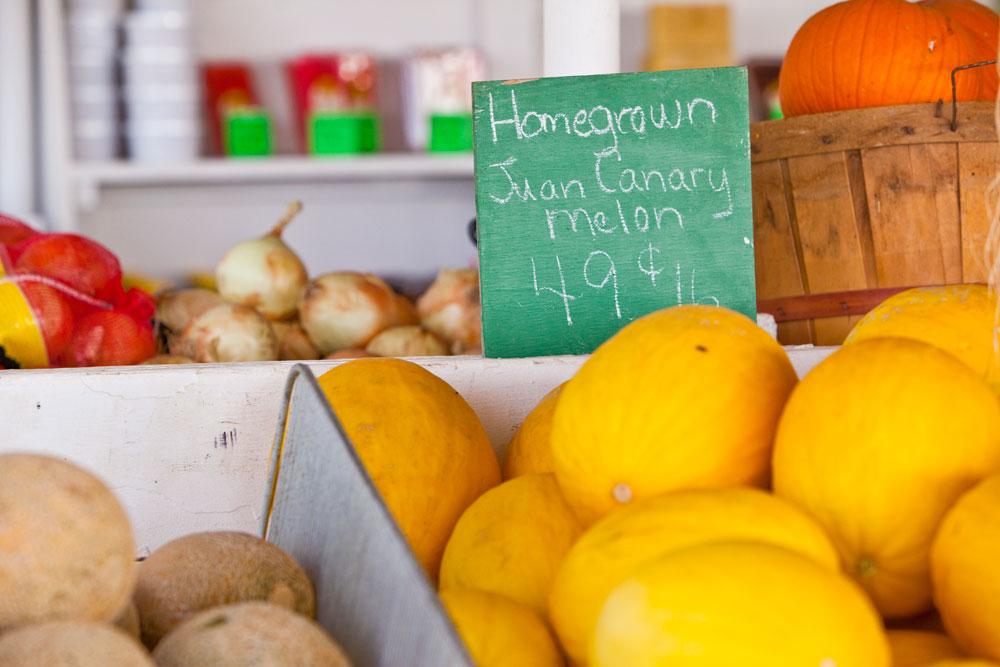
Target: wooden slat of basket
{"type": "Point", "coordinates": [977, 166]}
{"type": "Point", "coordinates": [913, 207]}
{"type": "Point", "coordinates": [833, 260]}
{"type": "Point", "coordinates": [774, 237]}
{"type": "Point", "coordinates": [882, 126]}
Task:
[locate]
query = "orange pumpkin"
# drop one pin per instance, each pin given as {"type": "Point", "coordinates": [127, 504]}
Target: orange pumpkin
{"type": "Point", "coordinates": [868, 53]}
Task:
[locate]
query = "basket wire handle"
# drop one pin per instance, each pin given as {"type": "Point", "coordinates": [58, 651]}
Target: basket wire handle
{"type": "Point", "coordinates": [954, 89]}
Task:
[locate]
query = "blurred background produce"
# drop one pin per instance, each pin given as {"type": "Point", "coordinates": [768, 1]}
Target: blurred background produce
{"type": "Point", "coordinates": [97, 134]}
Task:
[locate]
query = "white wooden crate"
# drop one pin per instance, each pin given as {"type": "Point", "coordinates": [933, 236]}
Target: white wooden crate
{"type": "Point", "coordinates": [187, 448]}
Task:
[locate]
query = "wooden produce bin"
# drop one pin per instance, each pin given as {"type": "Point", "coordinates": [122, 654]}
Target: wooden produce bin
{"type": "Point", "coordinates": [850, 206]}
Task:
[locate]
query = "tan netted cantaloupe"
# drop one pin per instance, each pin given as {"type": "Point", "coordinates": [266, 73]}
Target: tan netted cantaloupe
{"type": "Point", "coordinates": [66, 546]}
{"type": "Point", "coordinates": [421, 443]}
{"type": "Point", "coordinates": [251, 633]}
{"type": "Point", "coordinates": [71, 644]}
{"type": "Point", "coordinates": [205, 570]}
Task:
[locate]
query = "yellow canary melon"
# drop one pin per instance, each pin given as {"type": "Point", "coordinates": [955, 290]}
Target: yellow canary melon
{"type": "Point", "coordinates": [877, 442]}
{"type": "Point", "coordinates": [498, 632]}
{"type": "Point", "coordinates": [620, 544]}
{"type": "Point", "coordinates": [958, 319]}
{"type": "Point", "coordinates": [66, 545]}
{"type": "Point", "coordinates": [512, 540]}
{"type": "Point", "coordinates": [71, 644]}
{"type": "Point", "coordinates": [971, 662]}
{"type": "Point", "coordinates": [747, 604]}
{"type": "Point", "coordinates": [914, 648]}
{"type": "Point", "coordinates": [687, 397]}
{"type": "Point", "coordinates": [530, 450]}
{"type": "Point", "coordinates": [421, 443]}
{"type": "Point", "coordinates": [965, 565]}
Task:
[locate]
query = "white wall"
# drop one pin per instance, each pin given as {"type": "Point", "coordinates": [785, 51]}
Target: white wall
{"type": "Point", "coordinates": [409, 227]}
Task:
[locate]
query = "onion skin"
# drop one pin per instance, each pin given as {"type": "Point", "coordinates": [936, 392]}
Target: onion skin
{"type": "Point", "coordinates": [346, 310]}
{"type": "Point", "coordinates": [451, 309]}
{"type": "Point", "coordinates": [229, 332]}
{"type": "Point", "coordinates": [265, 274]}
{"type": "Point", "coordinates": [166, 360]}
{"type": "Point", "coordinates": [349, 353]}
{"type": "Point", "coordinates": [293, 343]}
{"type": "Point", "coordinates": [176, 307]}
{"type": "Point", "coordinates": [408, 341]}
{"type": "Point", "coordinates": [406, 312]}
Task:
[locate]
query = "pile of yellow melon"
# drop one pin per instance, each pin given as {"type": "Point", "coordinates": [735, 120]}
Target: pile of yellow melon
{"type": "Point", "coordinates": [686, 500]}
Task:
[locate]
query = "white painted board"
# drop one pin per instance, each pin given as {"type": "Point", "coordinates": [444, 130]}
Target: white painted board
{"type": "Point", "coordinates": [187, 448]}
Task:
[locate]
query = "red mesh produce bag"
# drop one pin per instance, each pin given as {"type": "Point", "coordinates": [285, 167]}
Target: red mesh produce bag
{"type": "Point", "coordinates": [109, 338]}
{"type": "Point", "coordinates": [13, 234]}
{"type": "Point", "coordinates": [76, 261]}
{"type": "Point", "coordinates": [62, 300]}
{"type": "Point", "coordinates": [36, 324]}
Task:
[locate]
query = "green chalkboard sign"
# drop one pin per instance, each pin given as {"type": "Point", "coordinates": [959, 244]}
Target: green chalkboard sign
{"type": "Point", "coordinates": [603, 198]}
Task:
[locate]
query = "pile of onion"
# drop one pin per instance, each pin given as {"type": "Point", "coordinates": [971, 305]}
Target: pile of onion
{"type": "Point", "coordinates": [264, 273]}
{"type": "Point", "coordinates": [407, 341]}
{"type": "Point", "coordinates": [176, 308]}
{"type": "Point", "coordinates": [451, 309]}
{"type": "Point", "coordinates": [293, 343]}
{"type": "Point", "coordinates": [347, 310]}
{"type": "Point", "coordinates": [228, 332]}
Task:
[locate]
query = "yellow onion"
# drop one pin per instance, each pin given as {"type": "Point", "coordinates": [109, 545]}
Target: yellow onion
{"type": "Point", "coordinates": [229, 332]}
{"type": "Point", "coordinates": [408, 341]}
{"type": "Point", "coordinates": [176, 307]}
{"type": "Point", "coordinates": [343, 310]}
{"type": "Point", "coordinates": [349, 353]}
{"type": "Point", "coordinates": [166, 359]}
{"type": "Point", "coordinates": [264, 273]}
{"type": "Point", "coordinates": [451, 309]}
{"type": "Point", "coordinates": [406, 312]}
{"type": "Point", "coordinates": [293, 343]}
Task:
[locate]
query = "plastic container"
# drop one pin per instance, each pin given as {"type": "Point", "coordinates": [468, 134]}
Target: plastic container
{"type": "Point", "coordinates": [92, 29]}
{"type": "Point", "coordinates": [159, 66]}
{"type": "Point", "coordinates": [90, 74]}
{"type": "Point", "coordinates": [163, 110]}
{"type": "Point", "coordinates": [150, 29]}
{"type": "Point", "coordinates": [95, 138]}
{"type": "Point", "coordinates": [154, 5]}
{"type": "Point", "coordinates": [88, 101]}
{"type": "Point", "coordinates": [163, 140]}
{"type": "Point", "coordinates": [104, 6]}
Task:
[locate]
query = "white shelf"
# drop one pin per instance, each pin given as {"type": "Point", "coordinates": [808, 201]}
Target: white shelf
{"type": "Point", "coordinates": [91, 177]}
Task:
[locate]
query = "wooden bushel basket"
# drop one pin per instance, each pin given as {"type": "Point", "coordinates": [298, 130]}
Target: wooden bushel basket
{"type": "Point", "coordinates": [849, 207]}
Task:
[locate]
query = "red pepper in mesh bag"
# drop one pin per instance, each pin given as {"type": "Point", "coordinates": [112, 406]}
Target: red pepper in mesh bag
{"type": "Point", "coordinates": [78, 262]}
{"type": "Point", "coordinates": [36, 323]}
{"type": "Point", "coordinates": [63, 302]}
{"type": "Point", "coordinates": [13, 234]}
{"type": "Point", "coordinates": [110, 338]}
